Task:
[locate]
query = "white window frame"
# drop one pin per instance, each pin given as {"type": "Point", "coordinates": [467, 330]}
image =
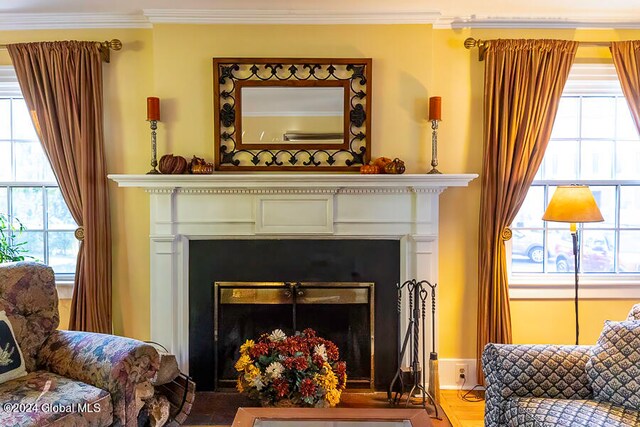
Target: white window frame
{"type": "Point", "coordinates": [584, 79]}
{"type": "Point", "coordinates": [9, 87]}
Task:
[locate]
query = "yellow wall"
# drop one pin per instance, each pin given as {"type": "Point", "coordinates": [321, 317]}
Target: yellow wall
{"type": "Point", "coordinates": [410, 64]}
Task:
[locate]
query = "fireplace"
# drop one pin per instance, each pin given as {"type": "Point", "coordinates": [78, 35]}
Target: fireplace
{"type": "Point", "coordinates": [191, 210]}
{"type": "Point", "coordinates": [339, 287]}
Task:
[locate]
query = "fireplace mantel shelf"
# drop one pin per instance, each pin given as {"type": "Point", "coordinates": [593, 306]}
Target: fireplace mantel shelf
{"type": "Point", "coordinates": [294, 181]}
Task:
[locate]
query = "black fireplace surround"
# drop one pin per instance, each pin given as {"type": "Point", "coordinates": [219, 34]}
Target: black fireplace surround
{"type": "Point", "coordinates": [291, 260]}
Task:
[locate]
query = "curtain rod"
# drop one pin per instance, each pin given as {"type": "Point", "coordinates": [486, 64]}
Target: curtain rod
{"type": "Point", "coordinates": [470, 43]}
{"type": "Point", "coordinates": [105, 48]}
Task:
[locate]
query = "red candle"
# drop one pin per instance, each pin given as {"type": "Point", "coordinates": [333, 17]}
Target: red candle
{"type": "Point", "coordinates": [153, 108]}
{"type": "Point", "coordinates": [434, 108]}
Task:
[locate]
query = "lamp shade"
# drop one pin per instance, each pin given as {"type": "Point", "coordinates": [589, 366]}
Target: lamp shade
{"type": "Point", "coordinates": [573, 203]}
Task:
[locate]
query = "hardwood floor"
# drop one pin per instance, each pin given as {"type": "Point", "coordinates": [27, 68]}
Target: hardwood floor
{"type": "Point", "coordinates": [462, 413]}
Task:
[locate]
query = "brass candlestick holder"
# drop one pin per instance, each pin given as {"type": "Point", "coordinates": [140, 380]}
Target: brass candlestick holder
{"type": "Point", "coordinates": [154, 151]}
{"type": "Point", "coordinates": [434, 147]}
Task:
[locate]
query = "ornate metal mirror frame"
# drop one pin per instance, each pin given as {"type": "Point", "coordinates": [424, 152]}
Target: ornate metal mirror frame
{"type": "Point", "coordinates": [231, 75]}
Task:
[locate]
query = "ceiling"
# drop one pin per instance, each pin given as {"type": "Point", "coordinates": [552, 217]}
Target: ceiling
{"type": "Point", "coordinates": [444, 13]}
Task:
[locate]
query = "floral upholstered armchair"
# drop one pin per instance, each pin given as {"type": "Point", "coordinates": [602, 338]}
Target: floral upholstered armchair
{"type": "Point", "coordinates": [74, 378]}
{"type": "Point", "coordinates": [548, 385]}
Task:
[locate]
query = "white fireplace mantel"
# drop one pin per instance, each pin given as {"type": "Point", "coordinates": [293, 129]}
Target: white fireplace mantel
{"type": "Point", "coordinates": [282, 205]}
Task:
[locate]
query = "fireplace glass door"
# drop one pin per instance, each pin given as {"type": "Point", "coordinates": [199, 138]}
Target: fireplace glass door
{"type": "Point", "coordinates": [338, 311]}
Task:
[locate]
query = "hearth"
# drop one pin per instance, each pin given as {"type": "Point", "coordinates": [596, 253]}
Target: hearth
{"type": "Point", "coordinates": [342, 312]}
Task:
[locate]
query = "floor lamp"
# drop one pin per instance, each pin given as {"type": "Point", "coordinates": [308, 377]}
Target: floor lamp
{"type": "Point", "coordinates": [573, 204]}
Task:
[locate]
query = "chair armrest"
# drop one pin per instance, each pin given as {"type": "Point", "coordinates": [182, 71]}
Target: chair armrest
{"type": "Point", "coordinates": [109, 362]}
{"type": "Point", "coordinates": [532, 370]}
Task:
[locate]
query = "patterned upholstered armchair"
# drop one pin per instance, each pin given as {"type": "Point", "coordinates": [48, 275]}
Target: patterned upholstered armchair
{"type": "Point", "coordinates": [546, 385]}
{"type": "Point", "coordinates": [74, 378]}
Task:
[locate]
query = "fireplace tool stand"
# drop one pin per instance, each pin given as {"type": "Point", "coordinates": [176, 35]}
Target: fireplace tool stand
{"type": "Point", "coordinates": [417, 296]}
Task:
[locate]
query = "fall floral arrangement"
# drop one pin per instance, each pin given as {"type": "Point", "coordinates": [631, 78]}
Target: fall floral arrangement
{"type": "Point", "coordinates": [298, 370]}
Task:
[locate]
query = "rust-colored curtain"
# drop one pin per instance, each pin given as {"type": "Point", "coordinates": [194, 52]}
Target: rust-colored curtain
{"type": "Point", "coordinates": [62, 86]}
{"type": "Point", "coordinates": [523, 84]}
{"type": "Point", "coordinates": [626, 58]}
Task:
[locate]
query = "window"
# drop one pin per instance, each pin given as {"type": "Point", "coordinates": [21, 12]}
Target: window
{"type": "Point", "coordinates": [28, 189]}
{"type": "Point", "coordinates": [594, 142]}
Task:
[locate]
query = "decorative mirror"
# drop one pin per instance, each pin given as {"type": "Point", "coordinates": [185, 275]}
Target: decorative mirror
{"type": "Point", "coordinates": [292, 114]}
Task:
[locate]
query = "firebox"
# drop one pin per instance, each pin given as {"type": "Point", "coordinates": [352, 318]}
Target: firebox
{"type": "Point", "coordinates": [342, 312]}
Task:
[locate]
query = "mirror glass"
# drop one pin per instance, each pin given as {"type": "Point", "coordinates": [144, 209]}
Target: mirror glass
{"type": "Point", "coordinates": [286, 114]}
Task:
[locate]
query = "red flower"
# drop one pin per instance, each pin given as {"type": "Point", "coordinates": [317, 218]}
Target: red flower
{"type": "Point", "coordinates": [332, 350]}
{"type": "Point", "coordinates": [317, 360]}
{"type": "Point", "coordinates": [258, 350]}
{"type": "Point", "coordinates": [297, 363]}
{"type": "Point", "coordinates": [309, 333]}
{"type": "Point", "coordinates": [281, 386]}
{"type": "Point", "coordinates": [307, 387]}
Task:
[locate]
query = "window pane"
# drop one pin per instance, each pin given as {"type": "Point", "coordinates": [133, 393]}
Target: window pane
{"type": "Point", "coordinates": [598, 117]}
{"type": "Point", "coordinates": [530, 214]}
{"type": "Point", "coordinates": [58, 215]}
{"type": "Point", "coordinates": [630, 206]}
{"type": "Point", "coordinates": [63, 250]}
{"type": "Point", "coordinates": [566, 122]}
{"type": "Point", "coordinates": [561, 160]}
{"type": "Point", "coordinates": [597, 251]}
{"type": "Point", "coordinates": [4, 208]}
{"type": "Point", "coordinates": [626, 128]}
{"type": "Point", "coordinates": [629, 258]}
{"type": "Point", "coordinates": [31, 164]}
{"type": "Point", "coordinates": [34, 244]}
{"type": "Point", "coordinates": [28, 207]}
{"type": "Point", "coordinates": [527, 253]}
{"type": "Point", "coordinates": [5, 118]}
{"type": "Point", "coordinates": [627, 159]}
{"type": "Point", "coordinates": [22, 124]}
{"type": "Point", "coordinates": [597, 160]}
{"type": "Point", "coordinates": [5, 158]}
{"type": "Point", "coordinates": [560, 249]}
{"type": "Point", "coordinates": [606, 200]}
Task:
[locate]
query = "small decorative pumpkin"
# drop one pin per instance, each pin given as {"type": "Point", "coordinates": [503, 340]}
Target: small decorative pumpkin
{"type": "Point", "coordinates": [170, 164]}
{"type": "Point", "coordinates": [395, 167]}
{"type": "Point", "coordinates": [381, 162]}
{"type": "Point", "coordinates": [200, 166]}
{"type": "Point", "coordinates": [369, 169]}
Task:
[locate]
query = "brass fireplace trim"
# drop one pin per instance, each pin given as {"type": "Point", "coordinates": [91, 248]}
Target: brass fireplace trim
{"type": "Point", "coordinates": [223, 291]}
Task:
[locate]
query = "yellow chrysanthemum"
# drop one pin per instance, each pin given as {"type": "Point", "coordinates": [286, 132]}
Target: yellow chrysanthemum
{"type": "Point", "coordinates": [333, 397]}
{"type": "Point", "coordinates": [240, 386]}
{"type": "Point", "coordinates": [243, 362]}
{"type": "Point", "coordinates": [328, 379]}
{"type": "Point", "coordinates": [244, 348]}
{"type": "Point", "coordinates": [251, 372]}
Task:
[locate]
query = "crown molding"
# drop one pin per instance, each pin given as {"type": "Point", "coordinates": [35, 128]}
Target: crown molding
{"type": "Point", "coordinates": [537, 23]}
{"type": "Point", "coordinates": [53, 21]}
{"type": "Point", "coordinates": [41, 21]}
{"type": "Point", "coordinates": [177, 16]}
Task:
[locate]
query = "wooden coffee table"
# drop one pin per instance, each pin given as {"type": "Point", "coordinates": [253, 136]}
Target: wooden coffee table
{"type": "Point", "coordinates": [331, 417]}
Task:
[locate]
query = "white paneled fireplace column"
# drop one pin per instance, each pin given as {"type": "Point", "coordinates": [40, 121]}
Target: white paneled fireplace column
{"type": "Point", "coordinates": [270, 206]}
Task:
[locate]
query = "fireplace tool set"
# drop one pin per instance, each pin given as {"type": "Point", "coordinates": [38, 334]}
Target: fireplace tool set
{"type": "Point", "coordinates": [414, 374]}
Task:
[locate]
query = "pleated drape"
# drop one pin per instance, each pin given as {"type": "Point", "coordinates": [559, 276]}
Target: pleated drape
{"type": "Point", "coordinates": [62, 86]}
{"type": "Point", "coordinates": [523, 83]}
{"type": "Point", "coordinates": [626, 58]}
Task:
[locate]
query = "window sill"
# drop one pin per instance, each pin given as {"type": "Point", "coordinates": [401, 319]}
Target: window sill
{"type": "Point", "coordinates": [65, 289]}
{"type": "Point", "coordinates": [563, 287]}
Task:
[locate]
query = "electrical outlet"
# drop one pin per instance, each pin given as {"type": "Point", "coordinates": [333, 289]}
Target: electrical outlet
{"type": "Point", "coordinates": [461, 372]}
